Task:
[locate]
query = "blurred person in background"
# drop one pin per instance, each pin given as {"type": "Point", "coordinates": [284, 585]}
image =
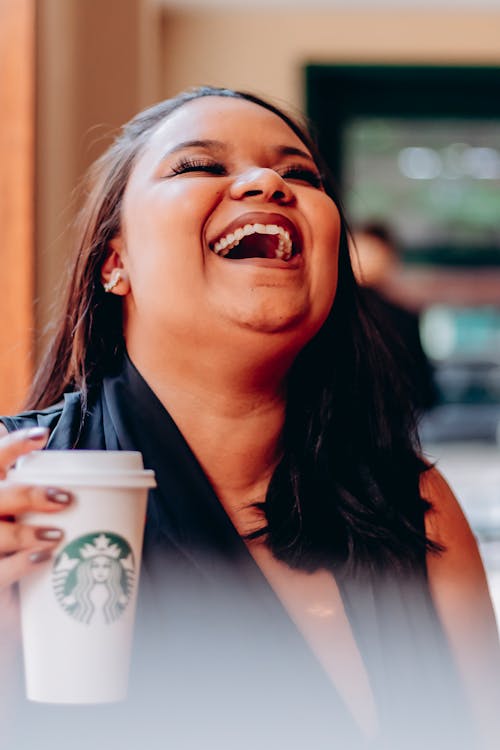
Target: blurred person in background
{"type": "Point", "coordinates": [308, 580]}
{"type": "Point", "coordinates": [375, 259]}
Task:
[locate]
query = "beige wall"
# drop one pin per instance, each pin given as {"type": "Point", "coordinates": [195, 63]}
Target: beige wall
{"type": "Point", "coordinates": [97, 66]}
{"type": "Point", "coordinates": [265, 51]}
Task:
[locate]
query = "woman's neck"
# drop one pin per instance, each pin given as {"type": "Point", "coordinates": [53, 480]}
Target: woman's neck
{"type": "Point", "coordinates": [231, 417]}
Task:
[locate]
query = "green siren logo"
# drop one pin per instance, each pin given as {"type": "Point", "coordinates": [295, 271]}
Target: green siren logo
{"type": "Point", "coordinates": [93, 577]}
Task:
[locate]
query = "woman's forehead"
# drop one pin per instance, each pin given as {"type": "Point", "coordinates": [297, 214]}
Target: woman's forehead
{"type": "Point", "coordinates": [228, 119]}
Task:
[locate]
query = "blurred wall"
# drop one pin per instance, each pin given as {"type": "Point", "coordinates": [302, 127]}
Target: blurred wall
{"type": "Point", "coordinates": [97, 64]}
{"type": "Point", "coordinates": [265, 51]}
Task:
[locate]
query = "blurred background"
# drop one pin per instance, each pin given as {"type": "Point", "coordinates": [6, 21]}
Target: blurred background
{"type": "Point", "coordinates": [405, 97]}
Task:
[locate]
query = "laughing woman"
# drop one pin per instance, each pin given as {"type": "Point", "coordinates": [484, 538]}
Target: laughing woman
{"type": "Point", "coordinates": [308, 580]}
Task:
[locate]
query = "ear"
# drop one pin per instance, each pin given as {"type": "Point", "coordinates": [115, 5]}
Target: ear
{"type": "Point", "coordinates": [113, 273]}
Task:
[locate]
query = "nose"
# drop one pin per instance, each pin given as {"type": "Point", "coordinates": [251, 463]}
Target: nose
{"type": "Point", "coordinates": [263, 184]}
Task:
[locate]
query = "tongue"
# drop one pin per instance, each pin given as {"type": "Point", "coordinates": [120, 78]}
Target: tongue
{"type": "Point", "coordinates": [255, 246]}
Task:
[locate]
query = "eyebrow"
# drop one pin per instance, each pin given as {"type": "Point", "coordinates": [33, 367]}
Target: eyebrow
{"type": "Point", "coordinates": [214, 145]}
{"type": "Point", "coordinates": [292, 151]}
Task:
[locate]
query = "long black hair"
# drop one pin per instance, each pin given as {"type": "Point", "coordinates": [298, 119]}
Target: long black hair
{"type": "Point", "coordinates": [347, 487]}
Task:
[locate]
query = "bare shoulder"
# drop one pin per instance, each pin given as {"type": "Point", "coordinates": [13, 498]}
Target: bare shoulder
{"type": "Point", "coordinates": [457, 579]}
{"type": "Point", "coordinates": [445, 521]}
{"type": "Point", "coordinates": [458, 569]}
{"type": "Point", "coordinates": [459, 588]}
{"type": "Point", "coordinates": [456, 576]}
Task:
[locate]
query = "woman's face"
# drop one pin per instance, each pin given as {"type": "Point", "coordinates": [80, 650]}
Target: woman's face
{"type": "Point", "coordinates": [101, 568]}
{"type": "Point", "coordinates": [226, 228]}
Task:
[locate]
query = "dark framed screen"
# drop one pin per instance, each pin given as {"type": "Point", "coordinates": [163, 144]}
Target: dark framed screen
{"type": "Point", "coordinates": [416, 147]}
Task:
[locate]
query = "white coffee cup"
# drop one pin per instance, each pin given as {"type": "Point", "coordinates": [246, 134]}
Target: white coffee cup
{"type": "Point", "coordinates": [77, 609]}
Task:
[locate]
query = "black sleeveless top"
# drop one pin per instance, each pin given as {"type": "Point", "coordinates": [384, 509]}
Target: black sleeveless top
{"type": "Point", "coordinates": [217, 661]}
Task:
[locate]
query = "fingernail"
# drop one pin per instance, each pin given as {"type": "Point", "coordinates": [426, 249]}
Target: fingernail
{"type": "Point", "coordinates": [37, 433]}
{"type": "Point", "coordinates": [40, 556]}
{"type": "Point", "coordinates": [48, 535]}
{"type": "Point", "coordinates": [56, 495]}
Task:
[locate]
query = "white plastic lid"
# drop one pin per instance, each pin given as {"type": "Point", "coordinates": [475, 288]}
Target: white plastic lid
{"type": "Point", "coordinates": [83, 468]}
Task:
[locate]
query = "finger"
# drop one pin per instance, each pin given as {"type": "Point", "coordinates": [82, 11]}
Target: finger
{"type": "Point", "coordinates": [16, 566]}
{"type": "Point", "coordinates": [16, 499]}
{"type": "Point", "coordinates": [18, 443]}
{"type": "Point", "coordinates": [18, 536]}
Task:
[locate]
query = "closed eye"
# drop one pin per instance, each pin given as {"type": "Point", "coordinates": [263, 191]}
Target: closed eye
{"type": "Point", "coordinates": [198, 165]}
{"type": "Point", "coordinates": [302, 174]}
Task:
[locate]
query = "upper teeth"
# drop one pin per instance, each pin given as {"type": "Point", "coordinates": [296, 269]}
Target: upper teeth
{"type": "Point", "coordinates": [283, 251]}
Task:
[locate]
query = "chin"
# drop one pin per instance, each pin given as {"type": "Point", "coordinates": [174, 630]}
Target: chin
{"type": "Point", "coordinates": [297, 323]}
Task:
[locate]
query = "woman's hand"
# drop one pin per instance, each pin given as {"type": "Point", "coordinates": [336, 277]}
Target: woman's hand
{"type": "Point", "coordinates": [22, 546]}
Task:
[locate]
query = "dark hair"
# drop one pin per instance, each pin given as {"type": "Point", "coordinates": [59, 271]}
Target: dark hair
{"type": "Point", "coordinates": [347, 487]}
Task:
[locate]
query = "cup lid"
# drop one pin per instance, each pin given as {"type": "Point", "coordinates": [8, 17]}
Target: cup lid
{"type": "Point", "coordinates": [83, 467]}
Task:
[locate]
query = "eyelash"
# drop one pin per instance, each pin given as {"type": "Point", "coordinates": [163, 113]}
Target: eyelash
{"type": "Point", "coordinates": [303, 174]}
{"type": "Point", "coordinates": [198, 165]}
{"type": "Point", "coordinates": [294, 171]}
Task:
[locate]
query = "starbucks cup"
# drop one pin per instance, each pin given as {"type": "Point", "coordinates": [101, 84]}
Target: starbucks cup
{"type": "Point", "coordinates": [77, 609]}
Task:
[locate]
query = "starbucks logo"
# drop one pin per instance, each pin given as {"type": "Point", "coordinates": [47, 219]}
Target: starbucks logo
{"type": "Point", "coordinates": [93, 577]}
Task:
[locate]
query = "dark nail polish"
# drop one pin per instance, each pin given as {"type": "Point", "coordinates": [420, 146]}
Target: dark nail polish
{"type": "Point", "coordinates": [48, 535]}
{"type": "Point", "coordinates": [40, 556]}
{"type": "Point", "coordinates": [58, 496]}
{"type": "Point", "coordinates": [37, 433]}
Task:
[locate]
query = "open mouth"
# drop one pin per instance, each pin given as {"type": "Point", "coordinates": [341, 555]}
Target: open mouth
{"type": "Point", "coordinates": [258, 240]}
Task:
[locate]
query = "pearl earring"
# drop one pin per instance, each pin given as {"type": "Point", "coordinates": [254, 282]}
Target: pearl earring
{"type": "Point", "coordinates": [115, 279]}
